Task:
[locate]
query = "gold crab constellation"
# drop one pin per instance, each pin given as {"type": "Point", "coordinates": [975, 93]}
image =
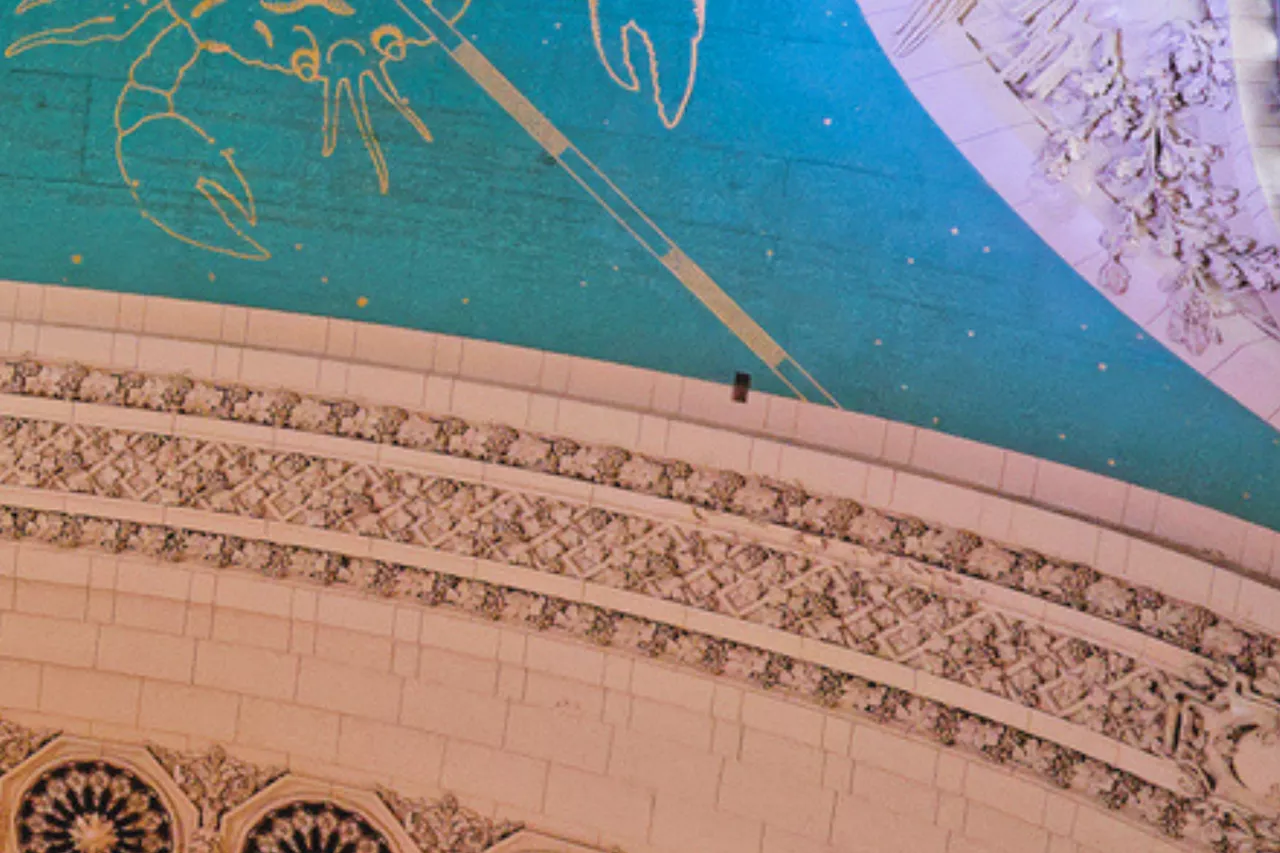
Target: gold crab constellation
{"type": "Point", "coordinates": [346, 50]}
{"type": "Point", "coordinates": [309, 40]}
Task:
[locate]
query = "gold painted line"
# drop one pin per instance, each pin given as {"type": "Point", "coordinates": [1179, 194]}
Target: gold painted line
{"type": "Point", "coordinates": [204, 6]}
{"type": "Point", "coordinates": [823, 391]}
{"type": "Point", "coordinates": [539, 127]}
{"type": "Point", "coordinates": [510, 99]}
{"type": "Point", "coordinates": [722, 305]}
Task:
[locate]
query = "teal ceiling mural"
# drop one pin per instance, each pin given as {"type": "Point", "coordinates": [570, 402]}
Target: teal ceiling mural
{"type": "Point", "coordinates": [695, 186]}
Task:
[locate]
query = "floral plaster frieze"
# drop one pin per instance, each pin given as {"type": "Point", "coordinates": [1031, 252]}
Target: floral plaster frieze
{"type": "Point", "coordinates": [215, 783]}
{"type": "Point", "coordinates": [829, 600]}
{"type": "Point", "coordinates": [881, 602]}
{"type": "Point", "coordinates": [753, 499]}
{"type": "Point", "coordinates": [1138, 108]}
{"type": "Point", "coordinates": [18, 743]}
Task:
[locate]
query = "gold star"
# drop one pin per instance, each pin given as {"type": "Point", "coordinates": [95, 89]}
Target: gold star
{"type": "Point", "coordinates": [362, 301]}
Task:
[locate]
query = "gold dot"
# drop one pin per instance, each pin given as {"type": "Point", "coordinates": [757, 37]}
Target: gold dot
{"type": "Point", "coordinates": [212, 277]}
{"type": "Point", "coordinates": [466, 300]}
{"type": "Point", "coordinates": [324, 279]}
{"type": "Point", "coordinates": [362, 301]}
{"type": "Point", "coordinates": [1062, 436]}
{"type": "Point", "coordinates": [1246, 495]}
{"type": "Point", "coordinates": [77, 259]}
{"type": "Point", "coordinates": [879, 342]}
{"type": "Point", "coordinates": [1111, 462]}
{"type": "Point", "coordinates": [297, 247]}
{"type": "Point", "coordinates": [1102, 365]}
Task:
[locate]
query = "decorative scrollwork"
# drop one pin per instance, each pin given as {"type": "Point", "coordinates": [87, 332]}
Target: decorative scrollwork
{"type": "Point", "coordinates": [810, 592]}
{"type": "Point", "coordinates": [444, 826]}
{"type": "Point", "coordinates": [18, 743]}
{"type": "Point", "coordinates": [215, 783]}
{"type": "Point", "coordinates": [93, 807]}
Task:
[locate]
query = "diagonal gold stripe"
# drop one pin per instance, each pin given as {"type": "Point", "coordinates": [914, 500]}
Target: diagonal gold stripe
{"type": "Point", "coordinates": [722, 305]}
{"type": "Point", "coordinates": [510, 99]}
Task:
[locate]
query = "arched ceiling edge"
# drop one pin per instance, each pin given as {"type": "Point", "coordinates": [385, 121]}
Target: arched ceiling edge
{"type": "Point", "coordinates": [1039, 664]}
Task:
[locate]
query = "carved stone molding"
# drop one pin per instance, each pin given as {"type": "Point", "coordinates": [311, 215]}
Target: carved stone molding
{"type": "Point", "coordinates": [759, 500]}
{"type": "Point", "coordinates": [81, 796]}
{"type": "Point", "coordinates": [1198, 814]}
{"type": "Point", "coordinates": [215, 783]}
{"type": "Point", "coordinates": [295, 814]}
{"type": "Point", "coordinates": [92, 807]}
{"type": "Point", "coordinates": [529, 841]}
{"type": "Point", "coordinates": [299, 815]}
{"type": "Point", "coordinates": [888, 614]}
{"type": "Point", "coordinates": [18, 743]}
{"type": "Point", "coordinates": [446, 826]}
{"type": "Point", "coordinates": [313, 826]}
{"type": "Point", "coordinates": [866, 580]}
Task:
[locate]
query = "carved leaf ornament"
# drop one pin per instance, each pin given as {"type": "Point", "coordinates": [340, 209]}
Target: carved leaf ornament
{"type": "Point", "coordinates": [1134, 109]}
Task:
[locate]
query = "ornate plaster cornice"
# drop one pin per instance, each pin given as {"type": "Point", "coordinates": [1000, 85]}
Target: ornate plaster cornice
{"type": "Point", "coordinates": [762, 501]}
{"type": "Point", "coordinates": [857, 601]}
{"type": "Point", "coordinates": [826, 570]}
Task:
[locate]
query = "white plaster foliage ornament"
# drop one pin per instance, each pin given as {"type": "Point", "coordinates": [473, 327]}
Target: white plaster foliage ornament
{"type": "Point", "coordinates": [1135, 109]}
